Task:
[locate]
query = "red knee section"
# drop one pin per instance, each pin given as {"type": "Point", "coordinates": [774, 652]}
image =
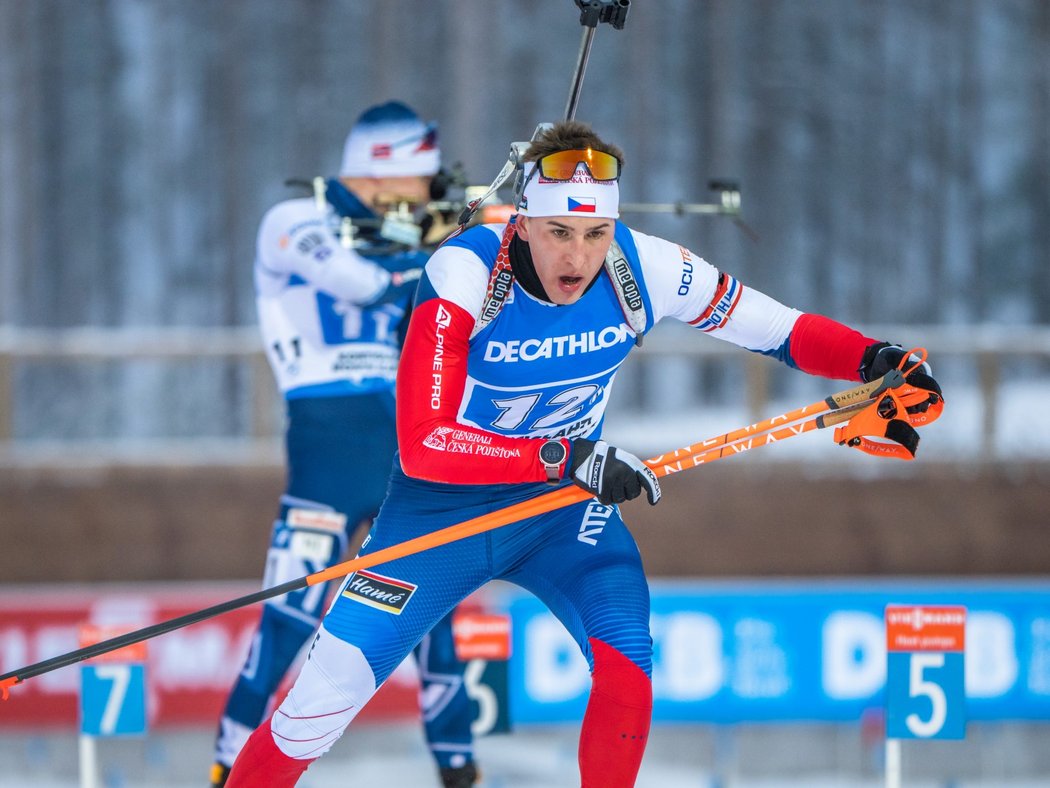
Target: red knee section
{"type": "Point", "coordinates": [261, 765]}
{"type": "Point", "coordinates": [616, 725]}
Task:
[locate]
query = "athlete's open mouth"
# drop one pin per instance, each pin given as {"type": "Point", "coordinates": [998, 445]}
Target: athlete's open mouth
{"type": "Point", "coordinates": [570, 280]}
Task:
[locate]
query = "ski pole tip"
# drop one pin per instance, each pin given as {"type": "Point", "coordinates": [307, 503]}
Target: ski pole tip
{"type": "Point", "coordinates": [6, 684]}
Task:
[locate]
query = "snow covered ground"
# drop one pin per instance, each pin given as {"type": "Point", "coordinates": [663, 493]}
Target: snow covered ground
{"type": "Point", "coordinates": [394, 756]}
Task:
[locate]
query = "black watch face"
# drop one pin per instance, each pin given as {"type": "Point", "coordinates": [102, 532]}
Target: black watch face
{"type": "Point", "coordinates": [552, 453]}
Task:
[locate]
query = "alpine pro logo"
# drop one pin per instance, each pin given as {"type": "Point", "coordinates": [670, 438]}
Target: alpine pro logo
{"type": "Point", "coordinates": [382, 593]}
{"type": "Point", "coordinates": [443, 317]}
{"type": "Point", "coordinates": [442, 320]}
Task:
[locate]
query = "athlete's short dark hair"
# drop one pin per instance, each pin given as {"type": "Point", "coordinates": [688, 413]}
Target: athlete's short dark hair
{"type": "Point", "coordinates": [569, 135]}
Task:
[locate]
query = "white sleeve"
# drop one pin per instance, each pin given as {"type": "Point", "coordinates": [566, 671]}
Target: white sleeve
{"type": "Point", "coordinates": [294, 238]}
{"type": "Point", "coordinates": [680, 284]}
{"type": "Point", "coordinates": [457, 274]}
{"type": "Point", "coordinates": [687, 288]}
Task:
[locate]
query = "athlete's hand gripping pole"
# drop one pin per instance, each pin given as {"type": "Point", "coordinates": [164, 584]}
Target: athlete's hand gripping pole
{"type": "Point", "coordinates": [842, 407]}
{"type": "Point", "coordinates": [896, 412]}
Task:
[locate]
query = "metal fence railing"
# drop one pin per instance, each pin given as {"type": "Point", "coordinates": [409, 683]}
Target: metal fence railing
{"type": "Point", "coordinates": [987, 347]}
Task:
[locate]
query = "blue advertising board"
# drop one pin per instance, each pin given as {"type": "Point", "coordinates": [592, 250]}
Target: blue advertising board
{"type": "Point", "coordinates": [926, 675]}
{"type": "Point", "coordinates": [924, 696]}
{"type": "Point", "coordinates": [785, 651]}
{"type": "Point", "coordinates": [113, 699]}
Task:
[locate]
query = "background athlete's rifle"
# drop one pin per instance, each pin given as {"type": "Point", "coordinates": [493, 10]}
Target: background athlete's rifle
{"type": "Point", "coordinates": [403, 227]}
{"type": "Point", "coordinates": [403, 224]}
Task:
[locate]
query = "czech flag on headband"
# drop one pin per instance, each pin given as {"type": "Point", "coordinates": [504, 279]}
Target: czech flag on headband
{"type": "Point", "coordinates": [381, 151]}
{"type": "Point", "coordinates": [581, 205]}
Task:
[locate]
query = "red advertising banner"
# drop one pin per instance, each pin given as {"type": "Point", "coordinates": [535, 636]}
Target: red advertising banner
{"type": "Point", "coordinates": [925, 628]}
{"type": "Point", "coordinates": [190, 670]}
{"type": "Point", "coordinates": [481, 636]}
{"type": "Point", "coordinates": [91, 634]}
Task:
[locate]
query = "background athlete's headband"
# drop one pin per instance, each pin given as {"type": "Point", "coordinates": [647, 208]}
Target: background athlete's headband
{"type": "Point", "coordinates": [390, 140]}
{"type": "Point", "coordinates": [579, 196]}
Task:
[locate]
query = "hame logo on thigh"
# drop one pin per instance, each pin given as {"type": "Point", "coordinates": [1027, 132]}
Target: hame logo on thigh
{"type": "Point", "coordinates": [382, 593]}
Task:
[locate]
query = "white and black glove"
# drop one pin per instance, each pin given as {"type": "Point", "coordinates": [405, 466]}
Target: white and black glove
{"type": "Point", "coordinates": [612, 475]}
{"type": "Point", "coordinates": [881, 357]}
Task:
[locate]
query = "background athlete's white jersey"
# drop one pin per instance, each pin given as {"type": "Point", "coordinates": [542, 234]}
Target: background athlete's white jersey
{"type": "Point", "coordinates": [324, 333]}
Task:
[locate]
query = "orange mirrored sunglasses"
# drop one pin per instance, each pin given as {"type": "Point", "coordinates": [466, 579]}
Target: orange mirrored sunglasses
{"type": "Point", "coordinates": [562, 165]}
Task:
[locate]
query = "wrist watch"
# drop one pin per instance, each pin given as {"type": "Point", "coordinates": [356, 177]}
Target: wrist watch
{"type": "Point", "coordinates": [553, 454]}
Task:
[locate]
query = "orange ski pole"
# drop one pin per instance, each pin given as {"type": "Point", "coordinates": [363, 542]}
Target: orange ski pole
{"type": "Point", "coordinates": [842, 406]}
{"type": "Point", "coordinates": [846, 401]}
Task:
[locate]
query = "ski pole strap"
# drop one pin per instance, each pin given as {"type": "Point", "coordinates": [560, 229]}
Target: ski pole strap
{"type": "Point", "coordinates": [877, 421]}
{"type": "Point", "coordinates": [902, 440]}
{"type": "Point", "coordinates": [893, 416]}
{"type": "Point", "coordinates": [922, 394]}
{"type": "Point", "coordinates": [922, 400]}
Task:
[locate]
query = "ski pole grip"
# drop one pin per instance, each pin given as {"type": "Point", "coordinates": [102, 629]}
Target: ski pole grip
{"type": "Point", "coordinates": [834, 417]}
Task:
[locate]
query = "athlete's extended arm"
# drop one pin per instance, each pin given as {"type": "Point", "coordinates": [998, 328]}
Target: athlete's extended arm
{"type": "Point", "coordinates": [685, 287]}
{"type": "Point", "coordinates": [295, 239]}
{"type": "Point", "coordinates": [821, 346]}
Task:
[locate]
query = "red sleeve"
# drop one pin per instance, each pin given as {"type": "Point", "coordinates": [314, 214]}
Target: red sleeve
{"type": "Point", "coordinates": [430, 384]}
{"type": "Point", "coordinates": [820, 346]}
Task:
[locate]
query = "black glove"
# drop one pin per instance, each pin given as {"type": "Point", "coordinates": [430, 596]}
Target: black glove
{"type": "Point", "coordinates": [881, 357]}
{"type": "Point", "coordinates": [612, 475]}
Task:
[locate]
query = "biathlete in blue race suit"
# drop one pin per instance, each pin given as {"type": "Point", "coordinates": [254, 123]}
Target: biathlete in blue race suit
{"type": "Point", "coordinates": [511, 353]}
{"type": "Point", "coordinates": [330, 319]}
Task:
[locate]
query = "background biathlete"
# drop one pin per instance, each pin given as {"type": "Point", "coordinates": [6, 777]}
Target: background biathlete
{"type": "Point", "coordinates": [330, 317]}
